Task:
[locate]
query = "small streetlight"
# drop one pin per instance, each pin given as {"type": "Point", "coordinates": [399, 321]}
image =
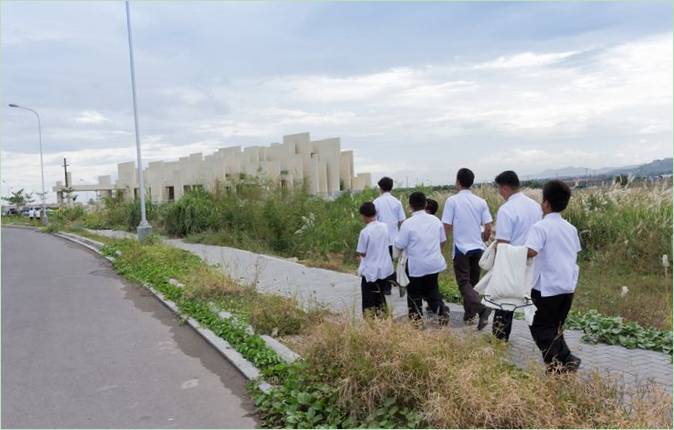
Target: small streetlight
{"type": "Point", "coordinates": [44, 219]}
{"type": "Point", "coordinates": [144, 228]}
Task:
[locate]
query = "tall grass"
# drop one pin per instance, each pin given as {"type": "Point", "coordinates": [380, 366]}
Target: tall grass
{"type": "Point", "coordinates": [626, 226]}
{"type": "Point", "coordinates": [465, 381]}
{"type": "Point", "coordinates": [625, 231]}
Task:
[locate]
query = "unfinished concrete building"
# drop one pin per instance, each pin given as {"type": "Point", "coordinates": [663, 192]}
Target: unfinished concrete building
{"type": "Point", "coordinates": [319, 165]}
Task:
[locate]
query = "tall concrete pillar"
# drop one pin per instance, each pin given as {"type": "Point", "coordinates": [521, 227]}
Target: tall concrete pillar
{"type": "Point", "coordinates": [329, 150]}
{"type": "Point", "coordinates": [346, 169]}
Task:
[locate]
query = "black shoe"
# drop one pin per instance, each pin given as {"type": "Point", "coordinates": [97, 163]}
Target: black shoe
{"type": "Point", "coordinates": [469, 319]}
{"type": "Point", "coordinates": [572, 363]}
{"type": "Point", "coordinates": [387, 289]}
{"type": "Point", "coordinates": [484, 318]}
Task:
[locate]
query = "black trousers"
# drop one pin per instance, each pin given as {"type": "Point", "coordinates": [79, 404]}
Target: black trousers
{"type": "Point", "coordinates": [467, 274]}
{"type": "Point", "coordinates": [548, 326]}
{"type": "Point", "coordinates": [425, 288]}
{"type": "Point", "coordinates": [373, 296]}
{"type": "Point", "coordinates": [502, 324]}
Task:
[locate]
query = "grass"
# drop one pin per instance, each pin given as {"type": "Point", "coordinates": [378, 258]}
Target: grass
{"type": "Point", "coordinates": [20, 220]}
{"type": "Point", "coordinates": [393, 375]}
{"type": "Point", "coordinates": [625, 232]}
{"type": "Point", "coordinates": [267, 313]}
{"type": "Point", "coordinates": [377, 373]}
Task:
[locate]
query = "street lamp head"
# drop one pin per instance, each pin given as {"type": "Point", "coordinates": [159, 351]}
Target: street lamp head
{"type": "Point", "coordinates": [13, 105]}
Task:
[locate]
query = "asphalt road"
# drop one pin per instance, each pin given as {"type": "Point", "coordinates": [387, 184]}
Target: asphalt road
{"type": "Point", "coordinates": [83, 348]}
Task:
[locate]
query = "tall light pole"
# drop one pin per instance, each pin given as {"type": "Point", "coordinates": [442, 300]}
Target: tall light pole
{"type": "Point", "coordinates": [144, 228]}
{"type": "Point", "coordinates": [44, 219]}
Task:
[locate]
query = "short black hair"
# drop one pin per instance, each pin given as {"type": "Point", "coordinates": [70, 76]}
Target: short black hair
{"type": "Point", "coordinates": [367, 209]}
{"type": "Point", "coordinates": [465, 177]}
{"type": "Point", "coordinates": [385, 183]}
{"type": "Point", "coordinates": [418, 200]}
{"type": "Point", "coordinates": [431, 206]}
{"type": "Point", "coordinates": [558, 194]}
{"type": "Point", "coordinates": [508, 178]}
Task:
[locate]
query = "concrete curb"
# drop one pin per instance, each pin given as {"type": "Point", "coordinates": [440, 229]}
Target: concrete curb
{"type": "Point", "coordinates": [91, 244]}
{"type": "Point", "coordinates": [247, 369]}
{"type": "Point", "coordinates": [25, 227]}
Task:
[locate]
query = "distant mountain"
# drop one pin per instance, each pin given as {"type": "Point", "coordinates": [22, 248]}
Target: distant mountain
{"type": "Point", "coordinates": [656, 167]}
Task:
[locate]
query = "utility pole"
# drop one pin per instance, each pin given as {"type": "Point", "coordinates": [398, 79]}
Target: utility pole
{"type": "Point", "coordinates": [65, 173]}
{"type": "Point", "coordinates": [65, 170]}
{"type": "Point", "coordinates": [144, 228]}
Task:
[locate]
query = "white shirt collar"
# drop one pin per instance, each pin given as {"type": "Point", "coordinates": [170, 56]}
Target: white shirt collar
{"type": "Point", "coordinates": [517, 194]}
{"type": "Point", "coordinates": [418, 212]}
{"type": "Point", "coordinates": [554, 215]}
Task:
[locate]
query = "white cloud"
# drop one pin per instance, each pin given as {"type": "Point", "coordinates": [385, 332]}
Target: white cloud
{"type": "Point", "coordinates": [527, 111]}
{"type": "Point", "coordinates": [90, 117]}
{"type": "Point", "coordinates": [525, 59]}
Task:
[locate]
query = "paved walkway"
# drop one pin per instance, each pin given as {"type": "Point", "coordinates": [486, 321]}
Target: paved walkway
{"type": "Point", "coordinates": [83, 349]}
{"type": "Point", "coordinates": [341, 293]}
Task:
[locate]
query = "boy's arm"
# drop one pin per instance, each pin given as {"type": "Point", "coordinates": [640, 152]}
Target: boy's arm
{"type": "Point", "coordinates": [487, 222]}
{"type": "Point", "coordinates": [401, 215]}
{"type": "Point", "coordinates": [362, 244]}
{"type": "Point", "coordinates": [535, 241]}
{"type": "Point", "coordinates": [503, 227]}
{"type": "Point", "coordinates": [402, 239]}
{"type": "Point", "coordinates": [443, 237]}
{"type": "Point", "coordinates": [486, 234]}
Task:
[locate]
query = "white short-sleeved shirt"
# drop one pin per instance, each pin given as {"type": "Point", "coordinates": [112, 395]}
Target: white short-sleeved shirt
{"type": "Point", "coordinates": [557, 243]}
{"type": "Point", "coordinates": [421, 235]}
{"type": "Point", "coordinates": [389, 211]}
{"type": "Point", "coordinates": [515, 217]}
{"type": "Point", "coordinates": [373, 242]}
{"type": "Point", "coordinates": [466, 213]}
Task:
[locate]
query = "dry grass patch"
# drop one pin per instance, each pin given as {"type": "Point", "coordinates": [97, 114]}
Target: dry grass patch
{"type": "Point", "coordinates": [282, 316]}
{"type": "Point", "coordinates": [206, 282]}
{"type": "Point", "coordinates": [457, 380]}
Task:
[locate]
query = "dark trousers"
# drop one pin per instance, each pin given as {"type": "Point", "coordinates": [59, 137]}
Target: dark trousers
{"type": "Point", "coordinates": [502, 324]}
{"type": "Point", "coordinates": [548, 326]}
{"type": "Point", "coordinates": [392, 277]}
{"type": "Point", "coordinates": [373, 296]}
{"type": "Point", "coordinates": [425, 288]}
{"type": "Point", "coordinates": [467, 274]}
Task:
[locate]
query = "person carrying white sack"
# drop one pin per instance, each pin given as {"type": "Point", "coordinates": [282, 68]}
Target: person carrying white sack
{"type": "Point", "coordinates": [513, 220]}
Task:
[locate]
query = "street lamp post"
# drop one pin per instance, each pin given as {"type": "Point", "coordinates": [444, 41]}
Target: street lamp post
{"type": "Point", "coordinates": [44, 218]}
{"type": "Point", "coordinates": [144, 228]}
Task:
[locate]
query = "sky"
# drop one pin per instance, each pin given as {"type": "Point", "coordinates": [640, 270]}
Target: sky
{"type": "Point", "coordinates": [417, 90]}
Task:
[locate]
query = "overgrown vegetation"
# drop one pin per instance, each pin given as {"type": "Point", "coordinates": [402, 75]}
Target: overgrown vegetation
{"type": "Point", "coordinates": [625, 231]}
{"type": "Point", "coordinates": [156, 263]}
{"type": "Point", "coordinates": [377, 373]}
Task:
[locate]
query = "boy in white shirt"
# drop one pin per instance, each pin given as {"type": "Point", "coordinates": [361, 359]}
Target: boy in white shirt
{"type": "Point", "coordinates": [375, 261]}
{"type": "Point", "coordinates": [555, 244]}
{"type": "Point", "coordinates": [513, 220]}
{"type": "Point", "coordinates": [389, 211]}
{"type": "Point", "coordinates": [422, 237]}
{"type": "Point", "coordinates": [464, 215]}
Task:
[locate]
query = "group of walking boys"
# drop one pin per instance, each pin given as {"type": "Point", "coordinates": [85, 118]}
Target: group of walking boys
{"type": "Point", "coordinates": [520, 221]}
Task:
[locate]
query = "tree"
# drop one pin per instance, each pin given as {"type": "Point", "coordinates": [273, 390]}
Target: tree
{"type": "Point", "coordinates": [19, 199]}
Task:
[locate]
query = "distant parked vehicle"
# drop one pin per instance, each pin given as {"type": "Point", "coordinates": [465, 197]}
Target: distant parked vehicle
{"type": "Point", "coordinates": [11, 211]}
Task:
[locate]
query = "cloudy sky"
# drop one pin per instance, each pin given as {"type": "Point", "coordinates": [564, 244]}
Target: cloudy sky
{"type": "Point", "coordinates": [416, 89]}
